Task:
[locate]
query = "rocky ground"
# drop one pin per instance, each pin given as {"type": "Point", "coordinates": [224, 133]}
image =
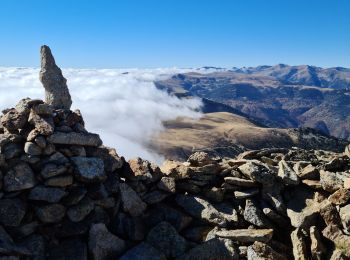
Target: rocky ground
{"type": "Point", "coordinates": [66, 196]}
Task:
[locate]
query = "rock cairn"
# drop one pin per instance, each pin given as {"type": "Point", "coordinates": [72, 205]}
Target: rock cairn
{"type": "Point", "coordinates": [63, 195]}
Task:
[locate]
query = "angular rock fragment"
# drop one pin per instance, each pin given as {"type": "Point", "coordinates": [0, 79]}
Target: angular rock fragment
{"type": "Point", "coordinates": [142, 170]}
{"type": "Point", "coordinates": [318, 250]}
{"type": "Point", "coordinates": [314, 184]}
{"type": "Point", "coordinates": [254, 215]}
{"type": "Point", "coordinates": [257, 172]}
{"type": "Point", "coordinates": [132, 203]}
{"type": "Point", "coordinates": [21, 177]}
{"type": "Point", "coordinates": [176, 170]}
{"type": "Point", "coordinates": [12, 150]}
{"type": "Point", "coordinates": [32, 149]}
{"type": "Point", "coordinates": [198, 159]}
{"type": "Point", "coordinates": [89, 169]}
{"type": "Point", "coordinates": [261, 251]}
{"type": "Point", "coordinates": [299, 245]}
{"type": "Point", "coordinates": [165, 238]}
{"type": "Point", "coordinates": [347, 150]}
{"type": "Point", "coordinates": [162, 212]}
{"type": "Point", "coordinates": [341, 241]}
{"type": "Point", "coordinates": [14, 120]}
{"type": "Point", "coordinates": [344, 214]}
{"type": "Point", "coordinates": [303, 208]}
{"type": "Point", "coordinates": [340, 197]}
{"type": "Point", "coordinates": [78, 212]}
{"type": "Point", "coordinates": [167, 184]}
{"type": "Point", "coordinates": [338, 255]}
{"type": "Point", "coordinates": [272, 195]}
{"type": "Point", "coordinates": [51, 213]}
{"type": "Point", "coordinates": [287, 174]}
{"type": "Point", "coordinates": [25, 104]}
{"type": "Point", "coordinates": [309, 172]}
{"type": "Point", "coordinates": [12, 212]}
{"type": "Point", "coordinates": [112, 161]}
{"type": "Point", "coordinates": [331, 181]}
{"type": "Point", "coordinates": [330, 214]}
{"type": "Point", "coordinates": [129, 227]}
{"type": "Point", "coordinates": [154, 197]}
{"type": "Point", "coordinates": [103, 244]}
{"type": "Point", "coordinates": [201, 209]}
{"type": "Point", "coordinates": [43, 125]}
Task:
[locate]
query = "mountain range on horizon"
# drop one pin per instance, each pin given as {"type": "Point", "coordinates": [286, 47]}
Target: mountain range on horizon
{"type": "Point", "coordinates": [272, 97]}
{"type": "Point", "coordinates": [334, 77]}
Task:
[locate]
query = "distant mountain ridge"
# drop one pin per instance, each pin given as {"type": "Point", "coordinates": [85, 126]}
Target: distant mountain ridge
{"type": "Point", "coordinates": [280, 96]}
{"type": "Point", "coordinates": [336, 77]}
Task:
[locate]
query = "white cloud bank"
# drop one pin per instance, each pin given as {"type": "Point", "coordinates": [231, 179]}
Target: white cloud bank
{"type": "Point", "coordinates": [124, 108]}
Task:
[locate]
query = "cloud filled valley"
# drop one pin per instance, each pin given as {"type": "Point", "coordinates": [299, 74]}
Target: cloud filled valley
{"type": "Point", "coordinates": [123, 106]}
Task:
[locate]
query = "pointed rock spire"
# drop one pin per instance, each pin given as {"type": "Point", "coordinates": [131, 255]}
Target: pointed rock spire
{"type": "Point", "coordinates": [56, 90]}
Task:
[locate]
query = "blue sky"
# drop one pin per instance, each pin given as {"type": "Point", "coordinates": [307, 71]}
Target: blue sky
{"type": "Point", "coordinates": [181, 33]}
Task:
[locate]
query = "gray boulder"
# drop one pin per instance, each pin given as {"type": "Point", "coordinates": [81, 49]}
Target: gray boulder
{"type": "Point", "coordinates": [104, 245]}
{"type": "Point", "coordinates": [165, 238]}
{"type": "Point", "coordinates": [20, 177]}
{"type": "Point", "coordinates": [89, 169]}
{"type": "Point", "coordinates": [56, 90]}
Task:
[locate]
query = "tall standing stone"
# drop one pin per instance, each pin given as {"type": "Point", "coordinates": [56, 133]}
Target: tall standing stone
{"type": "Point", "coordinates": [56, 90]}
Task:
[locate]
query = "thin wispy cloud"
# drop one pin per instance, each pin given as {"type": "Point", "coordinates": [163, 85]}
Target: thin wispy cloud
{"type": "Point", "coordinates": [123, 106]}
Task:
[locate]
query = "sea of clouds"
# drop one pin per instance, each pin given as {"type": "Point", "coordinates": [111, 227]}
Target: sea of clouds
{"type": "Point", "coordinates": [122, 105]}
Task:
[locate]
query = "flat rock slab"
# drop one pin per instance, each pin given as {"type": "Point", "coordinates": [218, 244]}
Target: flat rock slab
{"type": "Point", "coordinates": [86, 139]}
{"type": "Point", "coordinates": [89, 169]}
{"type": "Point", "coordinates": [21, 177]}
{"type": "Point", "coordinates": [48, 194]}
{"type": "Point", "coordinates": [247, 235]}
{"type": "Point", "coordinates": [12, 212]}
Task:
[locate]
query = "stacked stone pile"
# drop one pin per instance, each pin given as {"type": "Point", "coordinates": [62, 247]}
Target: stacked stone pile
{"type": "Point", "coordinates": [63, 195]}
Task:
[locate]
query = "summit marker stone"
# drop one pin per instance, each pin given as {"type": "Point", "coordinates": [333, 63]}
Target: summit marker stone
{"type": "Point", "coordinates": [56, 90]}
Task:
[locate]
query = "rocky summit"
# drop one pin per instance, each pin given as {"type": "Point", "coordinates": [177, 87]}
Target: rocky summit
{"type": "Point", "coordinates": [63, 195]}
